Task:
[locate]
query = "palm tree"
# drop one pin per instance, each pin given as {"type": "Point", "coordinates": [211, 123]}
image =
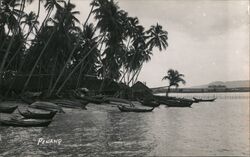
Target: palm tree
{"type": "Point", "coordinates": [88, 40]}
{"type": "Point", "coordinates": [154, 37]}
{"type": "Point", "coordinates": [65, 22]}
{"type": "Point", "coordinates": [157, 37]}
{"type": "Point", "coordinates": [9, 18]}
{"type": "Point", "coordinates": [174, 78]}
{"type": "Point", "coordinates": [110, 22]}
{"type": "Point", "coordinates": [31, 21]}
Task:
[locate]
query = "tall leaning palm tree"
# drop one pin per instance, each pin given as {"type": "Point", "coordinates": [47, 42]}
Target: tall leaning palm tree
{"type": "Point", "coordinates": [146, 41]}
{"type": "Point", "coordinates": [174, 78]}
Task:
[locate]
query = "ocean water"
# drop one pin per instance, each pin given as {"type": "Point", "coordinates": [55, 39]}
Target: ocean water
{"type": "Point", "coordinates": [218, 128]}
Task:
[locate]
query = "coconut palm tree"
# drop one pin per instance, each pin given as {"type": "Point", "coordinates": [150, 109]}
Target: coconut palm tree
{"type": "Point", "coordinates": [174, 78]}
{"type": "Point", "coordinates": [31, 21]}
{"type": "Point", "coordinates": [88, 40]}
{"type": "Point", "coordinates": [65, 22]}
{"type": "Point", "coordinates": [9, 18]}
{"type": "Point", "coordinates": [157, 37]}
{"type": "Point", "coordinates": [111, 22]}
{"type": "Point", "coordinates": [154, 37]}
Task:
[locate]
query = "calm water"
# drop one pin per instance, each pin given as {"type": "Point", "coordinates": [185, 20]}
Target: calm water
{"type": "Point", "coordinates": [206, 129]}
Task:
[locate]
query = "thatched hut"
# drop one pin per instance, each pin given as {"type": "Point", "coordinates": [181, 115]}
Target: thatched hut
{"type": "Point", "coordinates": [141, 91]}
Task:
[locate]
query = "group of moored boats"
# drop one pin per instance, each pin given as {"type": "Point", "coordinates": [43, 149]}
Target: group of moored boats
{"type": "Point", "coordinates": [40, 114]}
{"type": "Point", "coordinates": [28, 117]}
{"type": "Point", "coordinates": [168, 101]}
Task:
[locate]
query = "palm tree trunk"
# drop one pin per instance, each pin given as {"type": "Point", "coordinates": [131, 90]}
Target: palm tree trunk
{"type": "Point", "coordinates": [104, 68]}
{"type": "Point", "coordinates": [6, 55]}
{"type": "Point", "coordinates": [168, 90]}
{"type": "Point", "coordinates": [53, 73]}
{"type": "Point", "coordinates": [12, 39]}
{"type": "Point", "coordinates": [27, 35]}
{"type": "Point", "coordinates": [64, 67]}
{"type": "Point", "coordinates": [37, 61]}
{"type": "Point", "coordinates": [137, 75]}
{"type": "Point", "coordinates": [125, 70]}
{"type": "Point", "coordinates": [69, 58]}
{"type": "Point", "coordinates": [137, 72]}
{"type": "Point", "coordinates": [91, 10]}
{"type": "Point", "coordinates": [2, 44]}
{"type": "Point", "coordinates": [80, 74]}
{"type": "Point", "coordinates": [75, 68]}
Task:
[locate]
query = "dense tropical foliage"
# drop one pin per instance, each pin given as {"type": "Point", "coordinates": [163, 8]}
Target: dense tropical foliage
{"type": "Point", "coordinates": [60, 51]}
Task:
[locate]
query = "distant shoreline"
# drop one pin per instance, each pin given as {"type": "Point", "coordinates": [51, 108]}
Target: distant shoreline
{"type": "Point", "coordinates": [201, 90]}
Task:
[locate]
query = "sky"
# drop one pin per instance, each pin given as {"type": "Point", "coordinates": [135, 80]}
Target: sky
{"type": "Point", "coordinates": [208, 39]}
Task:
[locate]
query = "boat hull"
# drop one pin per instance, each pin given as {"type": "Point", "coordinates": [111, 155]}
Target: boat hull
{"type": "Point", "coordinates": [30, 115]}
{"type": "Point", "coordinates": [129, 109]}
{"type": "Point", "coordinates": [204, 100]}
{"type": "Point", "coordinates": [25, 122]}
{"type": "Point", "coordinates": [174, 102]}
{"type": "Point", "coordinates": [5, 109]}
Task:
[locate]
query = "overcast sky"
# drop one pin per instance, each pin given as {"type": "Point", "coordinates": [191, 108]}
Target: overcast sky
{"type": "Point", "coordinates": [208, 39]}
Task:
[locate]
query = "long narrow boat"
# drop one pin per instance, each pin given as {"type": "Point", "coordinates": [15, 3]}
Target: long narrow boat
{"type": "Point", "coordinates": [177, 103]}
{"type": "Point", "coordinates": [133, 109]}
{"type": "Point", "coordinates": [204, 100]}
{"type": "Point", "coordinates": [44, 115]}
{"type": "Point", "coordinates": [7, 109]}
{"type": "Point", "coordinates": [48, 106]}
{"type": "Point", "coordinates": [25, 122]}
{"type": "Point", "coordinates": [71, 103]}
{"type": "Point", "coordinates": [174, 102]}
{"type": "Point", "coordinates": [150, 103]}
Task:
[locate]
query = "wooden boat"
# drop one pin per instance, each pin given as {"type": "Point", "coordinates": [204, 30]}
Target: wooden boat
{"type": "Point", "coordinates": [7, 109]}
{"type": "Point", "coordinates": [204, 100]}
{"type": "Point", "coordinates": [25, 122]}
{"type": "Point", "coordinates": [71, 103]}
{"type": "Point", "coordinates": [133, 109]}
{"type": "Point", "coordinates": [48, 106]}
{"type": "Point", "coordinates": [118, 100]}
{"type": "Point", "coordinates": [32, 115]}
{"type": "Point", "coordinates": [177, 103]}
{"type": "Point", "coordinates": [174, 102]}
{"type": "Point", "coordinates": [150, 103]}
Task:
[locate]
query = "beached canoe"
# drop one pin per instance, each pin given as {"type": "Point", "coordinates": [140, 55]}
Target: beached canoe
{"type": "Point", "coordinates": [32, 115]}
{"type": "Point", "coordinates": [133, 109]}
{"type": "Point", "coordinates": [25, 122]}
{"type": "Point", "coordinates": [71, 103]}
{"type": "Point", "coordinates": [118, 100]}
{"type": "Point", "coordinates": [48, 106]}
{"type": "Point", "coordinates": [7, 109]}
{"type": "Point", "coordinates": [204, 100]}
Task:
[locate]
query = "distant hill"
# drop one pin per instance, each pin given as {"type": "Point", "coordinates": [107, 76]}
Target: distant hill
{"type": "Point", "coordinates": [228, 84]}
